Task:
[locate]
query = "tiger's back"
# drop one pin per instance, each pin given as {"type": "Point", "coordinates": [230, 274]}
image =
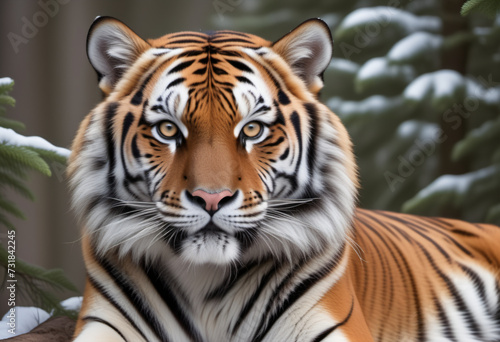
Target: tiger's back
{"type": "Point", "coordinates": [426, 279]}
{"type": "Point", "coordinates": [217, 197]}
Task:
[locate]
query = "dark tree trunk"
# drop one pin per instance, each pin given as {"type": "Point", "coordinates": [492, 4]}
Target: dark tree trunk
{"type": "Point", "coordinates": [453, 59]}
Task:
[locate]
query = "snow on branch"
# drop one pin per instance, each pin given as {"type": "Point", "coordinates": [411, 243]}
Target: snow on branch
{"type": "Point", "coordinates": [437, 85]}
{"type": "Point", "coordinates": [6, 81]}
{"type": "Point", "coordinates": [415, 48]}
{"type": "Point", "coordinates": [451, 189]}
{"type": "Point", "coordinates": [10, 137]}
{"type": "Point", "coordinates": [387, 16]}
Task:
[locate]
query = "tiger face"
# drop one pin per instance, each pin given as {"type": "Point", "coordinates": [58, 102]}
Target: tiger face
{"type": "Point", "coordinates": [212, 148]}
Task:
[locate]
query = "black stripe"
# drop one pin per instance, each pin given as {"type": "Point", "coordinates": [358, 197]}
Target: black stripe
{"type": "Point", "coordinates": [229, 103]}
{"type": "Point", "coordinates": [100, 320]}
{"type": "Point", "coordinates": [457, 298]}
{"type": "Point", "coordinates": [328, 331]}
{"type": "Point", "coordinates": [219, 71]}
{"type": "Point", "coordinates": [232, 40]}
{"type": "Point", "coordinates": [129, 289]}
{"type": "Point", "coordinates": [444, 322]}
{"type": "Point", "coordinates": [110, 147]}
{"type": "Point", "coordinates": [373, 245]}
{"type": "Point", "coordinates": [186, 41]}
{"type": "Point", "coordinates": [422, 222]}
{"type": "Point", "coordinates": [280, 119]}
{"type": "Point", "coordinates": [175, 82]}
{"type": "Point", "coordinates": [165, 292]}
{"type": "Point", "coordinates": [212, 59]}
{"type": "Point", "coordinates": [262, 108]}
{"type": "Point", "coordinates": [311, 149]}
{"type": "Point", "coordinates": [135, 149]}
{"type": "Point", "coordinates": [277, 142]}
{"type": "Point", "coordinates": [421, 332]}
{"type": "Point", "coordinates": [478, 282]}
{"type": "Point", "coordinates": [181, 66]}
{"type": "Point", "coordinates": [190, 53]}
{"type": "Point", "coordinates": [99, 288]}
{"type": "Point", "coordinates": [127, 123]}
{"type": "Point", "coordinates": [188, 34]}
{"type": "Point", "coordinates": [264, 282]}
{"type": "Point", "coordinates": [295, 119]}
{"type": "Point", "coordinates": [234, 276]}
{"type": "Point", "coordinates": [463, 232]}
{"type": "Point", "coordinates": [243, 79]}
{"type": "Point", "coordinates": [239, 65]}
{"type": "Point", "coordinates": [271, 76]}
{"type": "Point", "coordinates": [137, 98]}
{"type": "Point", "coordinates": [299, 290]}
{"type": "Point", "coordinates": [99, 163]}
{"type": "Point", "coordinates": [229, 32]}
{"type": "Point", "coordinates": [284, 155]}
{"type": "Point", "coordinates": [229, 53]}
{"type": "Point", "coordinates": [415, 227]}
{"type": "Point", "coordinates": [200, 71]}
{"type": "Point", "coordinates": [420, 321]}
{"type": "Point", "coordinates": [283, 98]}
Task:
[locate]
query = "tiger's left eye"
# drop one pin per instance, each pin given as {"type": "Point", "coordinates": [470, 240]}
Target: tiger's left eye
{"type": "Point", "coordinates": [167, 129]}
{"type": "Point", "coordinates": [252, 130]}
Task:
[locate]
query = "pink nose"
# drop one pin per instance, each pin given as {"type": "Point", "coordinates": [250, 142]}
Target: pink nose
{"type": "Point", "coordinates": [212, 200]}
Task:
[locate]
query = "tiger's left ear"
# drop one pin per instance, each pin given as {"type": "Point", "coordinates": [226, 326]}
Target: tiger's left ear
{"type": "Point", "coordinates": [308, 50]}
{"type": "Point", "coordinates": [112, 47]}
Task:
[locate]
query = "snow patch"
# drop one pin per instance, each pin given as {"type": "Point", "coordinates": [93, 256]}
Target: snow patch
{"type": "Point", "coordinates": [27, 318]}
{"type": "Point", "coordinates": [72, 304]}
{"type": "Point", "coordinates": [385, 15]}
{"type": "Point", "coordinates": [344, 65]}
{"type": "Point", "coordinates": [442, 83]}
{"type": "Point", "coordinates": [419, 88]}
{"type": "Point", "coordinates": [425, 130]}
{"type": "Point", "coordinates": [375, 67]}
{"type": "Point", "coordinates": [379, 67]}
{"type": "Point", "coordinates": [446, 82]}
{"type": "Point", "coordinates": [10, 137]}
{"type": "Point", "coordinates": [459, 184]}
{"type": "Point", "coordinates": [490, 95]}
{"type": "Point", "coordinates": [414, 45]}
{"type": "Point", "coordinates": [372, 106]}
{"type": "Point", "coordinates": [6, 81]}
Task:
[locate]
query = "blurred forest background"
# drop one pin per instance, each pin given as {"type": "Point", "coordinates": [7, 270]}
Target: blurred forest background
{"type": "Point", "coordinates": [416, 84]}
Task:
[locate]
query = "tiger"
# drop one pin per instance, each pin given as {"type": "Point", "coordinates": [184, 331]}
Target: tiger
{"type": "Point", "coordinates": [218, 199]}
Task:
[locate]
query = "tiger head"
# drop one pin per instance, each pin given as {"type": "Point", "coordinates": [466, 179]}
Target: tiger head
{"type": "Point", "coordinates": [212, 147]}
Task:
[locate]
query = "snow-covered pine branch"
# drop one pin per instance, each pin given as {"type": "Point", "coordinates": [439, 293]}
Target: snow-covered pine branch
{"type": "Point", "coordinates": [10, 137]}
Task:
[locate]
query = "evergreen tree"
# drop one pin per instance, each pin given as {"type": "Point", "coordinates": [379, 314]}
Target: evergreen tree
{"type": "Point", "coordinates": [416, 86]}
{"type": "Point", "coordinates": [18, 156]}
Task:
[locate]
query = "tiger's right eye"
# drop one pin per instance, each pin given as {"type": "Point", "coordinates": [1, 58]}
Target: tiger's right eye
{"type": "Point", "coordinates": [167, 129]}
{"type": "Point", "coordinates": [252, 130]}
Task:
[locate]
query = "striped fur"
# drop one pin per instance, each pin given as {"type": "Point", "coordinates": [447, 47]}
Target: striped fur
{"type": "Point", "coordinates": [286, 257]}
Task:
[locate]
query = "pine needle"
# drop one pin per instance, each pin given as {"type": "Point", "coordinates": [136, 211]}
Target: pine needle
{"type": "Point", "coordinates": [488, 7]}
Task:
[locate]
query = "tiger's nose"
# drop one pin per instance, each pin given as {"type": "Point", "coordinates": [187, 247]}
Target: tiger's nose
{"type": "Point", "coordinates": [211, 201]}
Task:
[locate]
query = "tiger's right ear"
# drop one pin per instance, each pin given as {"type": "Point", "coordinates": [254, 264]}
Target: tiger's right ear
{"type": "Point", "coordinates": [112, 47]}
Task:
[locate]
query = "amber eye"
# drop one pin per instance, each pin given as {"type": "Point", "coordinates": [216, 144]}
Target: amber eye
{"type": "Point", "coordinates": [167, 129]}
{"type": "Point", "coordinates": [252, 130]}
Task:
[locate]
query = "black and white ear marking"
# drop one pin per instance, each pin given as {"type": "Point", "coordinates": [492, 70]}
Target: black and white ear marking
{"type": "Point", "coordinates": [308, 50]}
{"type": "Point", "coordinates": [112, 47]}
